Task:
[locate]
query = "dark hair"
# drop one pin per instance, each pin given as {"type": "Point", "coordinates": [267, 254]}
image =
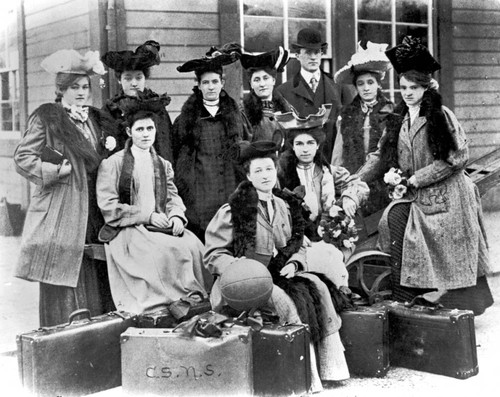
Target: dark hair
{"type": "Point", "coordinates": [201, 72]}
{"type": "Point", "coordinates": [66, 80]}
{"type": "Point", "coordinates": [142, 114]}
{"type": "Point", "coordinates": [269, 70]}
{"type": "Point", "coordinates": [420, 78]}
{"type": "Point", "coordinates": [147, 73]}
{"type": "Point", "coordinates": [317, 134]}
{"type": "Point", "coordinates": [376, 75]}
{"type": "Point", "coordinates": [246, 164]}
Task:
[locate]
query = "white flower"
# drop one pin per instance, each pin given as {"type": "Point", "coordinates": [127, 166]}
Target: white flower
{"type": "Point", "coordinates": [334, 211]}
{"type": "Point", "coordinates": [393, 177]}
{"type": "Point", "coordinates": [351, 224]}
{"type": "Point", "coordinates": [336, 233]}
{"type": "Point", "coordinates": [399, 192]}
{"type": "Point", "coordinates": [110, 143]}
{"type": "Point", "coordinates": [347, 244]}
{"type": "Point", "coordinates": [321, 231]}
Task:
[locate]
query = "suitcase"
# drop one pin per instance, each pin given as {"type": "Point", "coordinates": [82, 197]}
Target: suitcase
{"type": "Point", "coordinates": [159, 362]}
{"type": "Point", "coordinates": [158, 319]}
{"type": "Point", "coordinates": [73, 359]}
{"type": "Point", "coordinates": [365, 336]}
{"type": "Point", "coordinates": [440, 341]}
{"type": "Point", "coordinates": [281, 359]}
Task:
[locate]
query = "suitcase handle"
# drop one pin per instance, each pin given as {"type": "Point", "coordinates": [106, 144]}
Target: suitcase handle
{"type": "Point", "coordinates": [78, 313]}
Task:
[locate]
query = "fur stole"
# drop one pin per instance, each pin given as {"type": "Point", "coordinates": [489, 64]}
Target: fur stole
{"type": "Point", "coordinates": [439, 136]}
{"type": "Point", "coordinates": [254, 110]}
{"type": "Point", "coordinates": [352, 120]}
{"type": "Point", "coordinates": [125, 184]}
{"type": "Point", "coordinates": [243, 203]}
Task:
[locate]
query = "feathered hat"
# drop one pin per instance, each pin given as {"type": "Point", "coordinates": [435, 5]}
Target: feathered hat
{"type": "Point", "coordinates": [144, 56]}
{"type": "Point", "coordinates": [412, 55]}
{"type": "Point", "coordinates": [372, 59]}
{"type": "Point", "coordinates": [275, 59]}
{"type": "Point", "coordinates": [71, 61]}
{"type": "Point", "coordinates": [214, 60]}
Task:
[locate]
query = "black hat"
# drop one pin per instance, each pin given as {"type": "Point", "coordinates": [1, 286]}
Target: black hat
{"type": "Point", "coordinates": [257, 150]}
{"type": "Point", "coordinates": [145, 56]}
{"type": "Point", "coordinates": [412, 55]}
{"type": "Point", "coordinates": [275, 59]}
{"type": "Point", "coordinates": [309, 38]}
{"type": "Point", "coordinates": [213, 60]}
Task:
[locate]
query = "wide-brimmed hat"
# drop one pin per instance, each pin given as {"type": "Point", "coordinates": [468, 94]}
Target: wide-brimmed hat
{"type": "Point", "coordinates": [309, 38]}
{"type": "Point", "coordinates": [256, 150]}
{"type": "Point", "coordinates": [412, 55]}
{"type": "Point", "coordinates": [275, 59]}
{"type": "Point", "coordinates": [214, 59]}
{"type": "Point", "coordinates": [144, 56]}
{"type": "Point", "coordinates": [292, 121]}
{"type": "Point", "coordinates": [71, 61]}
{"type": "Point", "coordinates": [369, 60]}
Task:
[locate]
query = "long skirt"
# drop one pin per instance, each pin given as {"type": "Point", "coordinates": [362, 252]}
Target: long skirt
{"type": "Point", "coordinates": [476, 298]}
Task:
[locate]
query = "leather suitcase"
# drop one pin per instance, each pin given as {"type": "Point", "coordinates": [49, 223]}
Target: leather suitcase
{"type": "Point", "coordinates": [159, 362]}
{"type": "Point", "coordinates": [440, 341]}
{"type": "Point", "coordinates": [281, 359]}
{"type": "Point", "coordinates": [73, 359]}
{"type": "Point", "coordinates": [365, 336]}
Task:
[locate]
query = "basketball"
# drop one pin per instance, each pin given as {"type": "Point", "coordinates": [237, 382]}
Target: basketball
{"type": "Point", "coordinates": [246, 284]}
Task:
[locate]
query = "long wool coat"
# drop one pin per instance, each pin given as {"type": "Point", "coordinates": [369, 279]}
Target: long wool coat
{"type": "Point", "coordinates": [444, 243]}
{"type": "Point", "coordinates": [205, 149]}
{"type": "Point", "coordinates": [298, 94]}
{"type": "Point", "coordinates": [57, 220]}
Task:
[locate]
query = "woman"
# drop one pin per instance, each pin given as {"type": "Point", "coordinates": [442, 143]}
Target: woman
{"type": "Point", "coordinates": [302, 163]}
{"type": "Point", "coordinates": [263, 100]}
{"type": "Point", "coordinates": [259, 224]}
{"type": "Point", "coordinates": [361, 123]}
{"type": "Point", "coordinates": [148, 269]}
{"type": "Point", "coordinates": [133, 69]}
{"type": "Point", "coordinates": [435, 233]}
{"type": "Point", "coordinates": [59, 153]}
{"type": "Point", "coordinates": [206, 135]}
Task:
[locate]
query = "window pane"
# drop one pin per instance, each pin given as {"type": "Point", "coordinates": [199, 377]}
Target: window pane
{"type": "Point", "coordinates": [5, 86]}
{"type": "Point", "coordinates": [263, 7]}
{"type": "Point", "coordinates": [6, 117]}
{"type": "Point", "coordinates": [402, 31]}
{"type": "Point", "coordinates": [294, 26]}
{"type": "Point", "coordinates": [411, 11]}
{"type": "Point", "coordinates": [307, 9]}
{"type": "Point", "coordinates": [375, 33]}
{"type": "Point", "coordinates": [263, 34]}
{"type": "Point", "coordinates": [377, 10]}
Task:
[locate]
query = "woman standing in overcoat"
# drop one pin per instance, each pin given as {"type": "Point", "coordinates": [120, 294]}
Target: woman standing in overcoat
{"type": "Point", "coordinates": [206, 136]}
{"type": "Point", "coordinates": [435, 232]}
{"type": "Point", "coordinates": [59, 153]}
{"type": "Point", "coordinates": [263, 100]}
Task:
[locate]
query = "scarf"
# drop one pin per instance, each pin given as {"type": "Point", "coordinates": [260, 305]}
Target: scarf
{"type": "Point", "coordinates": [125, 184]}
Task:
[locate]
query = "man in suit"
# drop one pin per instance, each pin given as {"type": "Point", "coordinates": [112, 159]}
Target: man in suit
{"type": "Point", "coordinates": [311, 87]}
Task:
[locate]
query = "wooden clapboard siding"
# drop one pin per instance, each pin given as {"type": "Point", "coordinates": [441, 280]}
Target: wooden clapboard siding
{"type": "Point", "coordinates": [476, 71]}
{"type": "Point", "coordinates": [185, 29]}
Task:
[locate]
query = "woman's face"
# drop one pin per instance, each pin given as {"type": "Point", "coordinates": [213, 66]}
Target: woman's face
{"type": "Point", "coordinates": [262, 84]}
{"type": "Point", "coordinates": [412, 93]}
{"type": "Point", "coordinates": [210, 85]}
{"type": "Point", "coordinates": [305, 148]}
{"type": "Point", "coordinates": [77, 93]}
{"type": "Point", "coordinates": [262, 174]}
{"type": "Point", "coordinates": [367, 87]}
{"type": "Point", "coordinates": [132, 81]}
{"type": "Point", "coordinates": [143, 133]}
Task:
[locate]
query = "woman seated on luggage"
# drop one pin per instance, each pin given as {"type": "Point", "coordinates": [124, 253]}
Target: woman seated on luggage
{"type": "Point", "coordinates": [152, 259]}
{"type": "Point", "coordinates": [433, 229]}
{"type": "Point", "coordinates": [267, 225]}
{"type": "Point", "coordinates": [263, 100]}
{"type": "Point", "coordinates": [303, 164]}
{"type": "Point", "coordinates": [361, 123]}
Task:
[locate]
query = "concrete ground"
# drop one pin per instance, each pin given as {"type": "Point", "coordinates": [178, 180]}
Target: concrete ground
{"type": "Point", "coordinates": [19, 314]}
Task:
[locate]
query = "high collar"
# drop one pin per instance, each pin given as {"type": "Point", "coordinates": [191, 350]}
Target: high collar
{"type": "Point", "coordinates": [307, 76]}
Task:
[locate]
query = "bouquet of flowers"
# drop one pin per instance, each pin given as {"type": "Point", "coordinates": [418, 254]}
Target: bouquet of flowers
{"type": "Point", "coordinates": [339, 229]}
{"type": "Point", "coordinates": [397, 184]}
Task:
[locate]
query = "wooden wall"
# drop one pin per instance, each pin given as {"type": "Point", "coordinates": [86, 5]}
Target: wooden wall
{"type": "Point", "coordinates": [476, 60]}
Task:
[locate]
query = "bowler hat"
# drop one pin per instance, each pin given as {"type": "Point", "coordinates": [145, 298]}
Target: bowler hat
{"type": "Point", "coordinates": [309, 38]}
{"type": "Point", "coordinates": [412, 55]}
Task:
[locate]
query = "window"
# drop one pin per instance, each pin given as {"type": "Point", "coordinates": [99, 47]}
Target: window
{"type": "Point", "coordinates": [388, 21]}
{"type": "Point", "coordinates": [9, 74]}
{"type": "Point", "coordinates": [267, 24]}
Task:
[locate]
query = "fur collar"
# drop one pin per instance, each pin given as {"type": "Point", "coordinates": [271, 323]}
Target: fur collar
{"type": "Point", "coordinates": [439, 136]}
{"type": "Point", "coordinates": [254, 109]}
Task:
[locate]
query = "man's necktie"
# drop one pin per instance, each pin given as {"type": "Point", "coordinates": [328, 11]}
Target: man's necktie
{"type": "Point", "coordinates": [314, 84]}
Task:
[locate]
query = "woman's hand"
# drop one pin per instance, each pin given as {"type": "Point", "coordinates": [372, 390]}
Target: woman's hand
{"type": "Point", "coordinates": [412, 181]}
{"type": "Point", "coordinates": [65, 168]}
{"type": "Point", "coordinates": [289, 270]}
{"type": "Point", "coordinates": [349, 206]}
{"type": "Point", "coordinates": [177, 225]}
{"type": "Point", "coordinates": [159, 219]}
